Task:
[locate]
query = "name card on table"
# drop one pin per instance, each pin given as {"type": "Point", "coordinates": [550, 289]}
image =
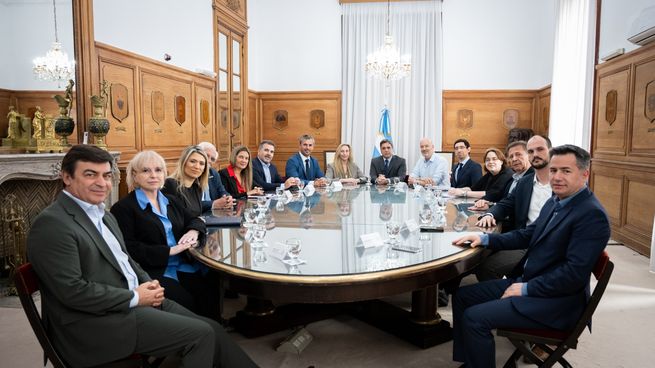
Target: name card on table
{"type": "Point", "coordinates": [288, 195]}
{"type": "Point", "coordinates": [371, 240]}
{"type": "Point", "coordinates": [336, 186]}
{"type": "Point", "coordinates": [411, 225]}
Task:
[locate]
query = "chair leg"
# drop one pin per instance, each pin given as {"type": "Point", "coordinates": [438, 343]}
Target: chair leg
{"type": "Point", "coordinates": [526, 351]}
{"type": "Point", "coordinates": [511, 362]}
{"type": "Point", "coordinates": [554, 356]}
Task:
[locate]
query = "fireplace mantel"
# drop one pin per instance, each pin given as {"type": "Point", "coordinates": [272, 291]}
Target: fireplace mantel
{"type": "Point", "coordinates": [43, 166]}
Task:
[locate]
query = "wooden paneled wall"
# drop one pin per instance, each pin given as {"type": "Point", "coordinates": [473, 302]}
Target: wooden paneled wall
{"type": "Point", "coordinates": [298, 105]}
{"type": "Point", "coordinates": [25, 103]}
{"type": "Point", "coordinates": [153, 120]}
{"type": "Point", "coordinates": [623, 145]}
{"type": "Point", "coordinates": [484, 117]}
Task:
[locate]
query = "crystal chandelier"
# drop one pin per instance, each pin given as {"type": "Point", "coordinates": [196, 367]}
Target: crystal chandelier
{"type": "Point", "coordinates": [54, 66]}
{"type": "Point", "coordinates": [386, 63]}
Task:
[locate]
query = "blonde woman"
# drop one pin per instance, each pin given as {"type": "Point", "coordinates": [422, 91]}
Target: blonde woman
{"type": "Point", "coordinates": [189, 179]}
{"type": "Point", "coordinates": [158, 230]}
{"type": "Point", "coordinates": [344, 169]}
{"type": "Point", "coordinates": [237, 176]}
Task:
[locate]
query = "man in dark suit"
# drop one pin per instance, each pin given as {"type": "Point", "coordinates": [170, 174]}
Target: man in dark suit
{"type": "Point", "coordinates": [303, 166]}
{"type": "Point", "coordinates": [466, 172]}
{"type": "Point", "coordinates": [98, 305]}
{"type": "Point", "coordinates": [264, 173]}
{"type": "Point", "coordinates": [215, 196]}
{"type": "Point", "coordinates": [518, 210]}
{"type": "Point", "coordinates": [550, 285]}
{"type": "Point", "coordinates": [388, 165]}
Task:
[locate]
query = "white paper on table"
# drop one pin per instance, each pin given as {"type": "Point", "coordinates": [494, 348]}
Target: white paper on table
{"type": "Point", "coordinates": [411, 225]}
{"type": "Point", "coordinates": [288, 195]}
{"type": "Point", "coordinates": [336, 186]}
{"type": "Point", "coordinates": [371, 240]}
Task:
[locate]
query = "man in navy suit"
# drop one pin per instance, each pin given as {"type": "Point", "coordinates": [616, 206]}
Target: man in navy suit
{"type": "Point", "coordinates": [518, 210]}
{"type": "Point", "coordinates": [467, 172]}
{"type": "Point", "coordinates": [264, 173]}
{"type": "Point", "coordinates": [303, 166]}
{"type": "Point", "coordinates": [215, 196]}
{"type": "Point", "coordinates": [550, 286]}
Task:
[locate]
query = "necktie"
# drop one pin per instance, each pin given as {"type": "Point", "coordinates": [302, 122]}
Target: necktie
{"type": "Point", "coordinates": [386, 167]}
{"type": "Point", "coordinates": [459, 166]}
{"type": "Point", "coordinates": [307, 167]}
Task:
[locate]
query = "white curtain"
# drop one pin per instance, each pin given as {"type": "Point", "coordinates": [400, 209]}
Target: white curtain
{"type": "Point", "coordinates": [573, 73]}
{"type": "Point", "coordinates": [414, 101]}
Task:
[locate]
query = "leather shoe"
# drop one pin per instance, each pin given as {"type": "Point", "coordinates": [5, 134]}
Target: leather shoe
{"type": "Point", "coordinates": [539, 352]}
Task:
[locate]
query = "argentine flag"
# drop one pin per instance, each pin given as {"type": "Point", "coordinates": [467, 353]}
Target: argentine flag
{"type": "Point", "coordinates": [384, 132]}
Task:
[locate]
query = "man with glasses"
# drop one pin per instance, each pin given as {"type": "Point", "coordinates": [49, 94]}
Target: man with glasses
{"type": "Point", "coordinates": [214, 196]}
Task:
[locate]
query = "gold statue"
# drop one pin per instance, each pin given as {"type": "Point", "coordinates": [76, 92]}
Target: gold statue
{"type": "Point", "coordinates": [100, 102]}
{"type": "Point", "coordinates": [49, 127]}
{"type": "Point", "coordinates": [66, 102]}
{"type": "Point", "coordinates": [37, 125]}
{"type": "Point", "coordinates": [13, 117]}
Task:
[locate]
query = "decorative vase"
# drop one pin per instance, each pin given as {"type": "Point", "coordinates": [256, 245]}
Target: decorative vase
{"type": "Point", "coordinates": [64, 126]}
{"type": "Point", "coordinates": [99, 127]}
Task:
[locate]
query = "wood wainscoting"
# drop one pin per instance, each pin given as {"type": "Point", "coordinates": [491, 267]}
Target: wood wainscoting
{"type": "Point", "coordinates": [623, 145]}
{"type": "Point", "coordinates": [484, 117]}
{"type": "Point", "coordinates": [284, 116]}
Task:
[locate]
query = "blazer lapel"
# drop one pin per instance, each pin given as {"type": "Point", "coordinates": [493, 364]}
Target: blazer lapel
{"type": "Point", "coordinates": [83, 220]}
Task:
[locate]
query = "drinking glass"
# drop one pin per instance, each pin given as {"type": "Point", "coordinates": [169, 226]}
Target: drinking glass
{"type": "Point", "coordinates": [249, 216]}
{"type": "Point", "coordinates": [279, 192]}
{"type": "Point", "coordinates": [294, 245]}
{"type": "Point", "coordinates": [259, 257]}
{"type": "Point", "coordinates": [393, 229]}
{"type": "Point", "coordinates": [301, 185]}
{"type": "Point", "coordinates": [425, 215]}
{"type": "Point", "coordinates": [395, 181]}
{"type": "Point", "coordinates": [262, 202]}
{"type": "Point", "coordinates": [258, 234]}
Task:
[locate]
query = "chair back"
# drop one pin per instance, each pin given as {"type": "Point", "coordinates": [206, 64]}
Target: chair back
{"type": "Point", "coordinates": [449, 156]}
{"type": "Point", "coordinates": [602, 272]}
{"type": "Point", "coordinates": [27, 284]}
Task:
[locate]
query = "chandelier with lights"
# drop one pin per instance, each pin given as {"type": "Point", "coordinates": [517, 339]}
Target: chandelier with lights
{"type": "Point", "coordinates": [55, 65]}
{"type": "Point", "coordinates": [386, 63]}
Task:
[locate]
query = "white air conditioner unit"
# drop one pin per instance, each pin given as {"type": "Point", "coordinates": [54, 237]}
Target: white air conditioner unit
{"type": "Point", "coordinates": [642, 30]}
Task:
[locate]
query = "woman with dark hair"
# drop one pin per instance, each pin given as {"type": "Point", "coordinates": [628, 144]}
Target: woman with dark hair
{"type": "Point", "coordinates": [237, 176]}
{"type": "Point", "coordinates": [492, 184]}
{"type": "Point", "coordinates": [158, 231]}
{"type": "Point", "coordinates": [190, 178]}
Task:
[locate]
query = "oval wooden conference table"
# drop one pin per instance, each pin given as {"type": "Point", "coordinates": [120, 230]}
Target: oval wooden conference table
{"type": "Point", "coordinates": [340, 274]}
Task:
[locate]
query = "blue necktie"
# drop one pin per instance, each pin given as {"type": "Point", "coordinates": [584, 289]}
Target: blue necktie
{"type": "Point", "coordinates": [386, 166]}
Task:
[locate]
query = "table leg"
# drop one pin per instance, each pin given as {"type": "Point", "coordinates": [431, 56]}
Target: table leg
{"type": "Point", "coordinates": [424, 306]}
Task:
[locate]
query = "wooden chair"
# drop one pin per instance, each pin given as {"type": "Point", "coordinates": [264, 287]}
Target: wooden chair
{"type": "Point", "coordinates": [27, 283]}
{"type": "Point", "coordinates": [522, 339]}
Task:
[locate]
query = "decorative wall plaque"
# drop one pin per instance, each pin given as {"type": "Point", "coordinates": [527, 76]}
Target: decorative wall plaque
{"type": "Point", "coordinates": [180, 109]}
{"type": "Point", "coordinates": [157, 106]}
{"type": "Point", "coordinates": [317, 119]}
{"type": "Point", "coordinates": [465, 119]}
{"type": "Point", "coordinates": [649, 104]}
{"type": "Point", "coordinates": [610, 106]}
{"type": "Point", "coordinates": [236, 119]}
{"type": "Point", "coordinates": [280, 119]}
{"type": "Point", "coordinates": [224, 118]}
{"type": "Point", "coordinates": [204, 112]}
{"type": "Point", "coordinates": [119, 106]}
{"type": "Point", "coordinates": [510, 118]}
{"type": "Point", "coordinates": [234, 5]}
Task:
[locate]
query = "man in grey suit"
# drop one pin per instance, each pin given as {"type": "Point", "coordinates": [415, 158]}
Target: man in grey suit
{"type": "Point", "coordinates": [98, 305]}
{"type": "Point", "coordinates": [388, 165]}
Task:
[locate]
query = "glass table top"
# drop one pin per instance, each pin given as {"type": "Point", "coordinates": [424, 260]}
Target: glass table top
{"type": "Point", "coordinates": [330, 227]}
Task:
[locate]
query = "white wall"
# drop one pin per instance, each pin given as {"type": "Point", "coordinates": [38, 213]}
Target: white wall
{"type": "Point", "coordinates": [152, 28]}
{"type": "Point", "coordinates": [500, 44]}
{"type": "Point", "coordinates": [616, 17]}
{"type": "Point", "coordinates": [27, 31]}
{"type": "Point", "coordinates": [294, 45]}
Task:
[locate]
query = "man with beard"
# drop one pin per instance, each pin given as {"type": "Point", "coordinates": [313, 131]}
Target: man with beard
{"type": "Point", "coordinates": [264, 173]}
{"type": "Point", "coordinates": [303, 166]}
{"type": "Point", "coordinates": [518, 210]}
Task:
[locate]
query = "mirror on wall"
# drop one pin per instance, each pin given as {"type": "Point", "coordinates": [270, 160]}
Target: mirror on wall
{"type": "Point", "coordinates": [27, 31]}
